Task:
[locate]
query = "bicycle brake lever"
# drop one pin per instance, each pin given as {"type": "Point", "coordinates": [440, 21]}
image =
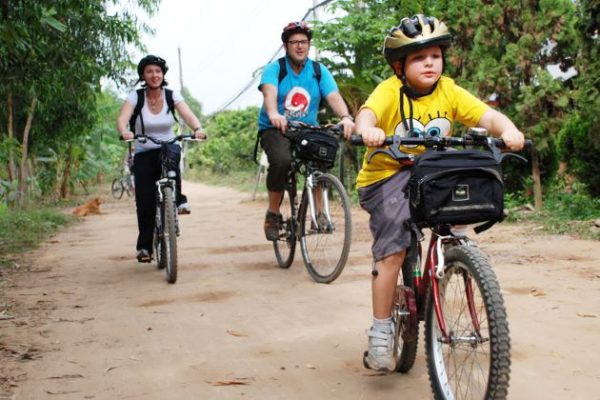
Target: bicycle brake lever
{"type": "Point", "coordinates": [517, 156]}
{"type": "Point", "coordinates": [393, 152]}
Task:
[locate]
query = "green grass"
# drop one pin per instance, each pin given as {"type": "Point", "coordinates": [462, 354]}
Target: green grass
{"type": "Point", "coordinates": [562, 213]}
{"type": "Point", "coordinates": [23, 230]}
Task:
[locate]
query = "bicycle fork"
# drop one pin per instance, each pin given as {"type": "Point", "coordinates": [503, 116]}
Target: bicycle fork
{"type": "Point", "coordinates": [436, 270]}
{"type": "Point", "coordinates": [311, 188]}
{"type": "Point", "coordinates": [160, 184]}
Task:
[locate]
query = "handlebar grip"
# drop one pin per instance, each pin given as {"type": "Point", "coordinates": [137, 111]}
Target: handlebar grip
{"type": "Point", "coordinates": [357, 140]}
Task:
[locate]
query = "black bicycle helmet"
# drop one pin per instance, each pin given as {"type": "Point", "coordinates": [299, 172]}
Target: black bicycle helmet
{"type": "Point", "coordinates": [295, 27]}
{"type": "Point", "coordinates": [151, 60]}
{"type": "Point", "coordinates": [414, 34]}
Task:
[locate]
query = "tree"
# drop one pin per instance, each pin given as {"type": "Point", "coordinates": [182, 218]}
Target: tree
{"type": "Point", "coordinates": [351, 44]}
{"type": "Point", "coordinates": [504, 48]}
{"type": "Point", "coordinates": [580, 137]}
{"type": "Point", "coordinates": [52, 57]}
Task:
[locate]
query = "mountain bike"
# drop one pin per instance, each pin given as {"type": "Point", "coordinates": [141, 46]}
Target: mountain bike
{"type": "Point", "coordinates": [454, 290]}
{"type": "Point", "coordinates": [321, 218]}
{"type": "Point", "coordinates": [166, 226]}
{"type": "Point", "coordinates": [123, 184]}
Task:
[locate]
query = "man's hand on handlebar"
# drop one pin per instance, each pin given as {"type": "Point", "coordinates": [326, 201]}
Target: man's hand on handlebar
{"type": "Point", "coordinates": [347, 127]}
{"type": "Point", "coordinates": [279, 122]}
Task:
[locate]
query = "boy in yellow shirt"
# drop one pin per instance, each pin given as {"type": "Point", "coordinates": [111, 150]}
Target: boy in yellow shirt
{"type": "Point", "coordinates": [417, 100]}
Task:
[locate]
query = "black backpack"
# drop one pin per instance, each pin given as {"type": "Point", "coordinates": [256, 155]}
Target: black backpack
{"type": "Point", "coordinates": [137, 111]}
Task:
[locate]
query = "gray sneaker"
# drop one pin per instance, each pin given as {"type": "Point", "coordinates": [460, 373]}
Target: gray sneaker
{"type": "Point", "coordinates": [184, 208]}
{"type": "Point", "coordinates": [380, 355]}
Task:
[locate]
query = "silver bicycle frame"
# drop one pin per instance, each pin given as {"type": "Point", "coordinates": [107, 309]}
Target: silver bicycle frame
{"type": "Point", "coordinates": [310, 186]}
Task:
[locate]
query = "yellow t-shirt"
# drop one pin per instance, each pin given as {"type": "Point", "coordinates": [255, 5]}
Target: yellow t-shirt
{"type": "Point", "coordinates": [434, 113]}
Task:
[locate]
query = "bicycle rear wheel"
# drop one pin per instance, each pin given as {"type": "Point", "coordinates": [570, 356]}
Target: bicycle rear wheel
{"type": "Point", "coordinates": [404, 313]}
{"type": "Point", "coordinates": [169, 238]}
{"type": "Point", "coordinates": [325, 244]}
{"type": "Point", "coordinates": [116, 188]}
{"type": "Point", "coordinates": [285, 246]}
{"type": "Point", "coordinates": [129, 185]}
{"type": "Point", "coordinates": [474, 363]}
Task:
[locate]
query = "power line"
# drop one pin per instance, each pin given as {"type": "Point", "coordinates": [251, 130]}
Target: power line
{"type": "Point", "coordinates": [255, 73]}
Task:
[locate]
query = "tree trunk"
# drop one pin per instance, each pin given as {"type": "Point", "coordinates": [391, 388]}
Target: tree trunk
{"type": "Point", "coordinates": [537, 181]}
{"type": "Point", "coordinates": [12, 167]}
{"type": "Point", "coordinates": [24, 154]}
{"type": "Point", "coordinates": [64, 185]}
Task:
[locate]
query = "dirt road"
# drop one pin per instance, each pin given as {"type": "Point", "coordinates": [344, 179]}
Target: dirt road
{"type": "Point", "coordinates": [84, 320]}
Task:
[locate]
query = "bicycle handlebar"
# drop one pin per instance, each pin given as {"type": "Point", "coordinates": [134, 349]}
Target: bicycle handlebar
{"type": "Point", "coordinates": [297, 126]}
{"type": "Point", "coordinates": [470, 139]}
{"type": "Point", "coordinates": [143, 138]}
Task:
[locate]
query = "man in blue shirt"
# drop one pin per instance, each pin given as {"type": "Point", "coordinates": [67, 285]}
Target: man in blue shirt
{"type": "Point", "coordinates": [293, 94]}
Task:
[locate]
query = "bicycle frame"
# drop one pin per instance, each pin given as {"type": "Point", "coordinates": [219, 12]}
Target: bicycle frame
{"type": "Point", "coordinates": [427, 275]}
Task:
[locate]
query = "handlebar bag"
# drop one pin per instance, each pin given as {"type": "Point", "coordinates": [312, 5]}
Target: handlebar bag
{"type": "Point", "coordinates": [456, 187]}
{"type": "Point", "coordinates": [316, 146]}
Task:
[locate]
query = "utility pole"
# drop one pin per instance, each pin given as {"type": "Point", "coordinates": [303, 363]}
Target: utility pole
{"type": "Point", "coordinates": [181, 123]}
{"type": "Point", "coordinates": [315, 18]}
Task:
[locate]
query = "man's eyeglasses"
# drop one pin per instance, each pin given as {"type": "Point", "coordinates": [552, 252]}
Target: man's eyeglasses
{"type": "Point", "coordinates": [298, 42]}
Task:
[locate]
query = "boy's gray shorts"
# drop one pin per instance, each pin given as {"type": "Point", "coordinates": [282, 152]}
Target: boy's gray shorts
{"type": "Point", "coordinates": [388, 209]}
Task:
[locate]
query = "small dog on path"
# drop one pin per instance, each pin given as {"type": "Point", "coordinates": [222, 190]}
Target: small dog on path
{"type": "Point", "coordinates": [89, 208]}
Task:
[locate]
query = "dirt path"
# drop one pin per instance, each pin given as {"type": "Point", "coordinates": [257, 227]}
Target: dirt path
{"type": "Point", "coordinates": [91, 323]}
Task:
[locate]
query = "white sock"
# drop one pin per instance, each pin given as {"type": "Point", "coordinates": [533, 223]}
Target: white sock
{"type": "Point", "coordinates": [382, 325]}
{"type": "Point", "coordinates": [460, 230]}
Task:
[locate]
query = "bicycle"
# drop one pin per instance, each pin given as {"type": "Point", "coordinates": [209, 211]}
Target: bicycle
{"type": "Point", "coordinates": [456, 293]}
{"type": "Point", "coordinates": [322, 220]}
{"type": "Point", "coordinates": [123, 184]}
{"type": "Point", "coordinates": [166, 227]}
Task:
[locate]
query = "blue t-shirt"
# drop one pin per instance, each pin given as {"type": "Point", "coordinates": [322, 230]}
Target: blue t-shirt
{"type": "Point", "coordinates": [298, 95]}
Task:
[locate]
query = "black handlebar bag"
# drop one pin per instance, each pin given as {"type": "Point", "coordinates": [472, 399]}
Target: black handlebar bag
{"type": "Point", "coordinates": [316, 146]}
{"type": "Point", "coordinates": [456, 187]}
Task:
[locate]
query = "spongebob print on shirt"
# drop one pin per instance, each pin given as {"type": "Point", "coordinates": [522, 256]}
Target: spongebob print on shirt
{"type": "Point", "coordinates": [438, 126]}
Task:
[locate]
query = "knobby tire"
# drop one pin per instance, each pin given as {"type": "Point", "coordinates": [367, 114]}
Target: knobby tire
{"type": "Point", "coordinates": [479, 369]}
{"type": "Point", "coordinates": [169, 242]}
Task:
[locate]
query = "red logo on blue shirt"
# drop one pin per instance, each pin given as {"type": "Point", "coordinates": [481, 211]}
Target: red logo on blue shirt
{"type": "Point", "coordinates": [296, 103]}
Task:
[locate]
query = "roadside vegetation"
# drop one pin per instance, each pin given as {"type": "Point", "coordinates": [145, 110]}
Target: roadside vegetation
{"type": "Point", "coordinates": [53, 150]}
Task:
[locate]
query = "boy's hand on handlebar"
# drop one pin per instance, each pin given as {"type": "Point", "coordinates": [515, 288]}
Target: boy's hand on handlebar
{"type": "Point", "coordinates": [513, 139]}
{"type": "Point", "coordinates": [279, 122]}
{"type": "Point", "coordinates": [347, 127]}
{"type": "Point", "coordinates": [373, 136]}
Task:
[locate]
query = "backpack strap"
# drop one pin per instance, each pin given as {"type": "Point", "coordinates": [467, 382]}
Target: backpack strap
{"type": "Point", "coordinates": [170, 103]}
{"type": "Point", "coordinates": [282, 70]}
{"type": "Point", "coordinates": [317, 70]}
{"type": "Point", "coordinates": [138, 111]}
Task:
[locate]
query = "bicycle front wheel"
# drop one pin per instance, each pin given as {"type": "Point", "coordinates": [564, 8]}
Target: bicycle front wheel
{"type": "Point", "coordinates": [116, 189]}
{"type": "Point", "coordinates": [285, 245]}
{"type": "Point", "coordinates": [473, 362]}
{"type": "Point", "coordinates": [325, 235]}
{"type": "Point", "coordinates": [169, 237]}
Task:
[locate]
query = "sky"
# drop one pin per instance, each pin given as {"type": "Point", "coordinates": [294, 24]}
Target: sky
{"type": "Point", "coordinates": [223, 42]}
